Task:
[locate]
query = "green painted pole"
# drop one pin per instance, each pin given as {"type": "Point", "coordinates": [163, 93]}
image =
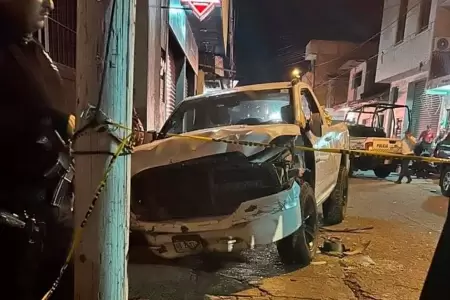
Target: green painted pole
{"type": "Point", "coordinates": [101, 258]}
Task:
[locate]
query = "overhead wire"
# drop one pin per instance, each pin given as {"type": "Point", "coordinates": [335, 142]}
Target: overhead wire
{"type": "Point", "coordinates": [371, 38]}
{"type": "Point", "coordinates": [408, 38]}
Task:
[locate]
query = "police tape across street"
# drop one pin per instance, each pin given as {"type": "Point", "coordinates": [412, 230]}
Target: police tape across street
{"type": "Point", "coordinates": [373, 153]}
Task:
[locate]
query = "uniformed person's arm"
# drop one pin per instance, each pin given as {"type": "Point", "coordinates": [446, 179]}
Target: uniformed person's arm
{"type": "Point", "coordinates": [63, 123]}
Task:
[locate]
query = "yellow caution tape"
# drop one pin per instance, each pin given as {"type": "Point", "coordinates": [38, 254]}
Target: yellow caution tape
{"type": "Point", "coordinates": [78, 231]}
{"type": "Point", "coordinates": [379, 154]}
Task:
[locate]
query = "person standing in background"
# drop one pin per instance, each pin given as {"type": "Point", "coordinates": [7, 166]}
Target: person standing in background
{"type": "Point", "coordinates": [408, 144]}
{"type": "Point", "coordinates": [426, 138]}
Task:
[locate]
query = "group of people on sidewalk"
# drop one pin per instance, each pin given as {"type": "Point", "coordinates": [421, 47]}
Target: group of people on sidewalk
{"type": "Point", "coordinates": [412, 146]}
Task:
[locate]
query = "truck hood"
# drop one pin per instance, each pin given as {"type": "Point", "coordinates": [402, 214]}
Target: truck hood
{"type": "Point", "coordinates": [182, 148]}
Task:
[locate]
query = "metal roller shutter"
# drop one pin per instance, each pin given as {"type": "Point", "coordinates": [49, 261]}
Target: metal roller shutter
{"type": "Point", "coordinates": [186, 86]}
{"type": "Point", "coordinates": [171, 84]}
{"type": "Point", "coordinates": [425, 110]}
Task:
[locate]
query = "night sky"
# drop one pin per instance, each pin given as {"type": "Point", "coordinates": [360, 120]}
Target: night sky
{"type": "Point", "coordinates": [271, 35]}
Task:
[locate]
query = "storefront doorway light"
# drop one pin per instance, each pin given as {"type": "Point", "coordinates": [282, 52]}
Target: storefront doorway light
{"type": "Point", "coordinates": [442, 91]}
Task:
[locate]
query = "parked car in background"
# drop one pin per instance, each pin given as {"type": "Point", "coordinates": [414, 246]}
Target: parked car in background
{"type": "Point", "coordinates": [442, 150]}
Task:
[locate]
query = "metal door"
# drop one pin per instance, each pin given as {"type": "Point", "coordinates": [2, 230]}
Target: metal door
{"type": "Point", "coordinates": [425, 110]}
{"type": "Point", "coordinates": [186, 85]}
{"type": "Point", "coordinates": [171, 84]}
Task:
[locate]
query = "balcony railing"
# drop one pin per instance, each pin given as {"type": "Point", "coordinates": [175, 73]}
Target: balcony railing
{"type": "Point", "coordinates": [440, 64]}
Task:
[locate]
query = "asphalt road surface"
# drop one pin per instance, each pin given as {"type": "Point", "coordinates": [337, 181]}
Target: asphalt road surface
{"type": "Point", "coordinates": [406, 221]}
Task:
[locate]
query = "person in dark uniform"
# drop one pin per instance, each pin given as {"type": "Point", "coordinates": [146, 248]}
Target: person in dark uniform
{"type": "Point", "coordinates": [408, 144]}
{"type": "Point", "coordinates": [33, 123]}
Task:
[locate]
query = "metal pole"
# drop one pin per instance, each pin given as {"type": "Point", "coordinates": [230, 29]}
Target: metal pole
{"type": "Point", "coordinates": [101, 258]}
{"type": "Point", "coordinates": [313, 67]}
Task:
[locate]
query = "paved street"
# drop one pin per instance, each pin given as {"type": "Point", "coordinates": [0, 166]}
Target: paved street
{"type": "Point", "coordinates": [406, 221]}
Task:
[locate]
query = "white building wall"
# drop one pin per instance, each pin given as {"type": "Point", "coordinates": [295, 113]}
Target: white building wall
{"type": "Point", "coordinates": [396, 61]}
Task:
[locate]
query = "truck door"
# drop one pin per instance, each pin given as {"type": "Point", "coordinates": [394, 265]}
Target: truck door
{"type": "Point", "coordinates": [323, 138]}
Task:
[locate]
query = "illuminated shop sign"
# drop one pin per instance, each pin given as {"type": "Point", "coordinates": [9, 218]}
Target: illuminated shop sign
{"type": "Point", "coordinates": [201, 8]}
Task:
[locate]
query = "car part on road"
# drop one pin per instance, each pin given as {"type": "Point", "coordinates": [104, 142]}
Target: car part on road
{"type": "Point", "coordinates": [301, 246]}
{"type": "Point", "coordinates": [333, 246]}
{"type": "Point", "coordinates": [382, 171]}
{"type": "Point", "coordinates": [346, 230]}
{"type": "Point", "coordinates": [335, 207]}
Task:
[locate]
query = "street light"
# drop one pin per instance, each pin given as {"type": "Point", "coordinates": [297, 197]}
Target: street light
{"type": "Point", "coordinates": [296, 73]}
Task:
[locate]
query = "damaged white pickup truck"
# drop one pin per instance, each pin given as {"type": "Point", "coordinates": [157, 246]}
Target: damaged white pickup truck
{"type": "Point", "coordinates": [192, 195]}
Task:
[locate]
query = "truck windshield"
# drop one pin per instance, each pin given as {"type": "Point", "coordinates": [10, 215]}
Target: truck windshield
{"type": "Point", "coordinates": [241, 108]}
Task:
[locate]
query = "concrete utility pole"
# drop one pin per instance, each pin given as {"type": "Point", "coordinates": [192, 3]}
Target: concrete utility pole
{"type": "Point", "coordinates": [101, 258]}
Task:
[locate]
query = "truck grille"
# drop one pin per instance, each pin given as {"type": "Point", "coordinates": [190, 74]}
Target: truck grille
{"type": "Point", "coordinates": [205, 187]}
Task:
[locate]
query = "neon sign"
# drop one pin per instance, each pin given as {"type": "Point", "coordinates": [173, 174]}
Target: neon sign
{"type": "Point", "coordinates": [201, 8]}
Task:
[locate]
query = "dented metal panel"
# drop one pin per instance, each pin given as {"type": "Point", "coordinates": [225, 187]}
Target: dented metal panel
{"type": "Point", "coordinates": [257, 222]}
{"type": "Point", "coordinates": [177, 149]}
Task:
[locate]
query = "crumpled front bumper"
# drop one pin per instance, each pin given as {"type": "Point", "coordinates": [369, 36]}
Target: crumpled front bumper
{"type": "Point", "coordinates": [257, 222]}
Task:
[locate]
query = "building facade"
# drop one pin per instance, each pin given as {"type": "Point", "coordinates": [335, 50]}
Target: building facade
{"type": "Point", "coordinates": [215, 37]}
{"type": "Point", "coordinates": [362, 90]}
{"type": "Point", "coordinates": [166, 60]}
{"type": "Point", "coordinates": [409, 54]}
{"type": "Point", "coordinates": [177, 48]}
{"type": "Point", "coordinates": [176, 54]}
{"type": "Point", "coordinates": [331, 62]}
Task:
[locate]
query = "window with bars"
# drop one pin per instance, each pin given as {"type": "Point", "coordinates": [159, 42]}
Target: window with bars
{"type": "Point", "coordinates": [59, 37]}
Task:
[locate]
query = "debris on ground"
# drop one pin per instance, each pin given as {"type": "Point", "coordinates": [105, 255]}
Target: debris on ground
{"type": "Point", "coordinates": [333, 246]}
{"type": "Point", "coordinates": [347, 230]}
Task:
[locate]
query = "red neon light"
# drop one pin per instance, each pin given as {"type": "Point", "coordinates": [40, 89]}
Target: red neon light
{"type": "Point", "coordinates": [201, 8]}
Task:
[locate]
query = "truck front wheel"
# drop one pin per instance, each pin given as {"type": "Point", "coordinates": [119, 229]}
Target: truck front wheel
{"type": "Point", "coordinates": [301, 246]}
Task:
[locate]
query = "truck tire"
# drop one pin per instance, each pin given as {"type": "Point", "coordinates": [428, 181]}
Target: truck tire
{"type": "Point", "coordinates": [382, 171]}
{"type": "Point", "coordinates": [335, 207]}
{"type": "Point", "coordinates": [301, 246]}
{"type": "Point", "coordinates": [351, 172]}
{"type": "Point", "coordinates": [444, 181]}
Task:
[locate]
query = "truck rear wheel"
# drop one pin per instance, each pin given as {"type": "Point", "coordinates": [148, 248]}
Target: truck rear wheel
{"type": "Point", "coordinates": [301, 246]}
{"type": "Point", "coordinates": [335, 207]}
{"type": "Point", "coordinates": [382, 171]}
{"type": "Point", "coordinates": [352, 170]}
